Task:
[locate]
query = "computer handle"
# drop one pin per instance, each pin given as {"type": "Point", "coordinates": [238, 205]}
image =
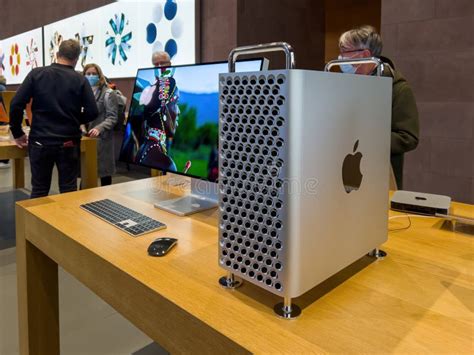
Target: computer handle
{"type": "Point", "coordinates": [263, 48]}
{"type": "Point", "coordinates": [370, 60]}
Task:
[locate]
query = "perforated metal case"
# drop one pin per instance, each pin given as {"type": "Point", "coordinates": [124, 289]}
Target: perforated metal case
{"type": "Point", "coordinates": [288, 126]}
{"type": "Point", "coordinates": [253, 124]}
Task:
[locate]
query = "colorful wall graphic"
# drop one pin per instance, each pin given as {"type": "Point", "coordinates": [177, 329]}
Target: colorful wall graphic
{"type": "Point", "coordinates": [122, 36]}
{"type": "Point", "coordinates": [118, 38]}
{"type": "Point", "coordinates": [15, 59]}
{"type": "Point", "coordinates": [2, 59]}
{"type": "Point", "coordinates": [33, 54]}
{"type": "Point", "coordinates": [20, 54]}
{"type": "Point", "coordinates": [82, 28]}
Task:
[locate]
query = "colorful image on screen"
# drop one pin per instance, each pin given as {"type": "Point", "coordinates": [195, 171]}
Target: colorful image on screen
{"type": "Point", "coordinates": [174, 117]}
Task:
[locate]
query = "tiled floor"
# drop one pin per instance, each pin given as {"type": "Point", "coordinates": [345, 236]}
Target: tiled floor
{"type": "Point", "coordinates": [87, 324]}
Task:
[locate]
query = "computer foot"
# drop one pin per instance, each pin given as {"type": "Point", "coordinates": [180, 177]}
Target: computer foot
{"type": "Point", "coordinates": [230, 281]}
{"type": "Point", "coordinates": [378, 253]}
{"type": "Point", "coordinates": [287, 310]}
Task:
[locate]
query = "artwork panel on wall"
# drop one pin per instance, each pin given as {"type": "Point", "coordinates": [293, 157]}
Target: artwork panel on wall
{"type": "Point", "coordinates": [122, 36]}
{"type": "Point", "coordinates": [20, 54]}
{"type": "Point", "coordinates": [84, 28]}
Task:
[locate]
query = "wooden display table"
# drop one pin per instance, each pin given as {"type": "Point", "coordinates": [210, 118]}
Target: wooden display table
{"type": "Point", "coordinates": [8, 150]}
{"type": "Point", "coordinates": [418, 299]}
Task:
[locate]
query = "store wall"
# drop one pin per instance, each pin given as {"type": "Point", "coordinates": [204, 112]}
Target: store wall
{"type": "Point", "coordinates": [231, 23]}
{"type": "Point", "coordinates": [298, 22]}
{"type": "Point", "coordinates": [432, 44]}
{"type": "Point", "coordinates": [218, 29]}
{"type": "Point", "coordinates": [342, 15]}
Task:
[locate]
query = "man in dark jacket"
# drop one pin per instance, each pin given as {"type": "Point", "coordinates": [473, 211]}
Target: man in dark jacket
{"type": "Point", "coordinates": [365, 42]}
{"type": "Point", "coordinates": [62, 101]}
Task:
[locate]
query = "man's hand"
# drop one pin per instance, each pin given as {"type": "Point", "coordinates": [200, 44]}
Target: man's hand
{"type": "Point", "coordinates": [93, 133]}
{"type": "Point", "coordinates": [22, 142]}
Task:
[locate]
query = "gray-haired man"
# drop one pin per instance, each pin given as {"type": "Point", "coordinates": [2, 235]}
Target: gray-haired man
{"type": "Point", "coordinates": [160, 59]}
{"type": "Point", "coordinates": [363, 42]}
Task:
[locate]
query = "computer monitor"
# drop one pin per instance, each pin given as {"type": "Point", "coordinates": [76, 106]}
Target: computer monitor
{"type": "Point", "coordinates": [173, 126]}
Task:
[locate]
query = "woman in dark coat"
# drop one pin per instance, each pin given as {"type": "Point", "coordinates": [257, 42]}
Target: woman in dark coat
{"type": "Point", "coordinates": [102, 127]}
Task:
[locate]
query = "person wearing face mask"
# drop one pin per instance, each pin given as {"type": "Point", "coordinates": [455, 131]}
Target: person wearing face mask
{"type": "Point", "coordinates": [102, 126]}
{"type": "Point", "coordinates": [62, 101]}
{"type": "Point", "coordinates": [160, 59]}
{"type": "Point", "coordinates": [363, 42]}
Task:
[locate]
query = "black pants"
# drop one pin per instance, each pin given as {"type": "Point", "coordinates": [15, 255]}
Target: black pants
{"type": "Point", "coordinates": [106, 180]}
{"type": "Point", "coordinates": [42, 160]}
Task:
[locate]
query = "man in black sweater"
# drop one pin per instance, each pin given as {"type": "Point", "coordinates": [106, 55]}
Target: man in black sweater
{"type": "Point", "coordinates": [62, 101]}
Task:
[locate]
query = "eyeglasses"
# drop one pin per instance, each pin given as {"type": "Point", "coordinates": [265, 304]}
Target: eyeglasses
{"type": "Point", "coordinates": [345, 53]}
{"type": "Point", "coordinates": [162, 64]}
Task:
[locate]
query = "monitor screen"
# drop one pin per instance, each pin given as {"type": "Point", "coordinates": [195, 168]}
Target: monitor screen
{"type": "Point", "coordinates": [173, 121]}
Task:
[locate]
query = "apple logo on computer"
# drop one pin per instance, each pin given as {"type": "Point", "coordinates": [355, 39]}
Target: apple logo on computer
{"type": "Point", "coordinates": [351, 175]}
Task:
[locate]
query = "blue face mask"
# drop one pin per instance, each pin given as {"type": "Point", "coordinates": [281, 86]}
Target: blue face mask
{"type": "Point", "coordinates": [348, 68]}
{"type": "Point", "coordinates": [93, 79]}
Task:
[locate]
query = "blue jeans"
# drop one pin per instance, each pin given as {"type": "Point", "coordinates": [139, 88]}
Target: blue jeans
{"type": "Point", "coordinates": [42, 160]}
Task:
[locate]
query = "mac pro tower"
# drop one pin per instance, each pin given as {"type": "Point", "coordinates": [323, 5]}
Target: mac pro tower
{"type": "Point", "coordinates": [303, 174]}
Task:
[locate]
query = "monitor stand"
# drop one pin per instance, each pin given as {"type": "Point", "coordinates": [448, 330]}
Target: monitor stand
{"type": "Point", "coordinates": [177, 180]}
{"type": "Point", "coordinates": [203, 197]}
